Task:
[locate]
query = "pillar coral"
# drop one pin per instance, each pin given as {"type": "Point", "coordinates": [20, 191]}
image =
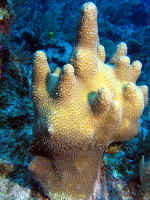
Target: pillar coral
{"type": "Point", "coordinates": [80, 110]}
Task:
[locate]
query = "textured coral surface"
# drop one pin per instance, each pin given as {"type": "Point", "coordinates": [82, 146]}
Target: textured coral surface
{"type": "Point", "coordinates": [80, 110]}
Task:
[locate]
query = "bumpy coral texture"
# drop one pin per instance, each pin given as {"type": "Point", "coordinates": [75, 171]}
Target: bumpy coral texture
{"type": "Point", "coordinates": [80, 110]}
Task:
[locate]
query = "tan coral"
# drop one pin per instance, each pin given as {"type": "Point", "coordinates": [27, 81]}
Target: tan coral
{"type": "Point", "coordinates": [81, 110]}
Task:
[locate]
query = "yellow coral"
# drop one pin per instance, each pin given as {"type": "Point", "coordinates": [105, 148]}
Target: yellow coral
{"type": "Point", "coordinates": [81, 110]}
{"type": "Point", "coordinates": [4, 14]}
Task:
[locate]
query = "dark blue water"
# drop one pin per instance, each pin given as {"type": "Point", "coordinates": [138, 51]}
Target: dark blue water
{"type": "Point", "coordinates": [146, 1]}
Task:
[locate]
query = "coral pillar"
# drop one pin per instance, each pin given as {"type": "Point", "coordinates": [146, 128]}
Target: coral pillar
{"type": "Point", "coordinates": [80, 110]}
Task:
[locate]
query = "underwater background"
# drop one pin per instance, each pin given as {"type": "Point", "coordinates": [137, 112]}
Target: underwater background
{"type": "Point", "coordinates": [51, 25]}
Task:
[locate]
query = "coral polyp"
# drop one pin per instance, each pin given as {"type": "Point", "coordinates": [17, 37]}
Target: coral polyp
{"type": "Point", "coordinates": [80, 110]}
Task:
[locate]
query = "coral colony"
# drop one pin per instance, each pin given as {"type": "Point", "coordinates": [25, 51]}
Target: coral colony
{"type": "Point", "coordinates": [80, 110]}
{"type": "Point", "coordinates": [5, 17]}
